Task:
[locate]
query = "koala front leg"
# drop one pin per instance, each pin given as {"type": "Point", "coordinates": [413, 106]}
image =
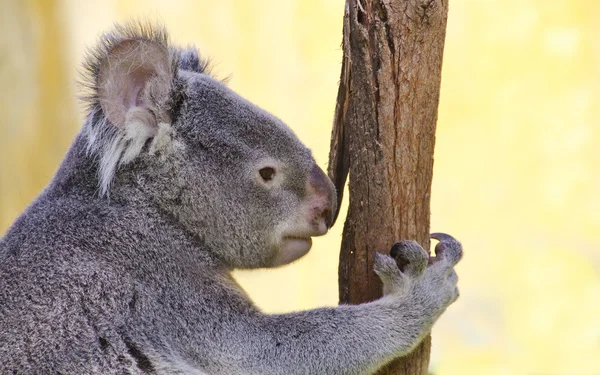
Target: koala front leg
{"type": "Point", "coordinates": [358, 339]}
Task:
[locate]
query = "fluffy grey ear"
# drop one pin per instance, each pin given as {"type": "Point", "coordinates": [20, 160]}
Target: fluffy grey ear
{"type": "Point", "coordinates": [130, 80]}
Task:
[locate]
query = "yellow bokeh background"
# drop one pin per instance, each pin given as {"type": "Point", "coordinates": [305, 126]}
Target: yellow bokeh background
{"type": "Point", "coordinates": [516, 174]}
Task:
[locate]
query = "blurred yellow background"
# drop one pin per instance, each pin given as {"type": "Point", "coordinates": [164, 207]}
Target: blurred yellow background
{"type": "Point", "coordinates": [516, 173]}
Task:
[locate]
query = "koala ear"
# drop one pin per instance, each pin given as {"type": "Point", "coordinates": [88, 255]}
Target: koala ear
{"type": "Point", "coordinates": [129, 81]}
{"type": "Point", "coordinates": [134, 82]}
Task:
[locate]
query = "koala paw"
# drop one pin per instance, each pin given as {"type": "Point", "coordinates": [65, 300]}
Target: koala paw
{"type": "Point", "coordinates": [407, 262]}
{"type": "Point", "coordinates": [427, 281]}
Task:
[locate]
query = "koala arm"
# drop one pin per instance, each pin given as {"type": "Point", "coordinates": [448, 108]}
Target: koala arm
{"type": "Point", "coordinates": [350, 339]}
{"type": "Point", "coordinates": [355, 339]}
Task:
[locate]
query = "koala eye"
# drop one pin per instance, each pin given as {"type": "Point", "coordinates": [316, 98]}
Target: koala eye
{"type": "Point", "coordinates": [267, 173]}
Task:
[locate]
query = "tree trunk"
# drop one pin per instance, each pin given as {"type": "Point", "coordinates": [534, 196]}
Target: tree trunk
{"type": "Point", "coordinates": [384, 136]}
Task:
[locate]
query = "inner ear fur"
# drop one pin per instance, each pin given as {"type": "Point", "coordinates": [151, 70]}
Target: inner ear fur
{"type": "Point", "coordinates": [136, 75]}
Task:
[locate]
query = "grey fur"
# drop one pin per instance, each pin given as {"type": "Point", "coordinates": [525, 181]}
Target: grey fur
{"type": "Point", "coordinates": [140, 283]}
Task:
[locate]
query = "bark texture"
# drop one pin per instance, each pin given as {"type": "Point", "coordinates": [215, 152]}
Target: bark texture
{"type": "Point", "coordinates": [384, 136]}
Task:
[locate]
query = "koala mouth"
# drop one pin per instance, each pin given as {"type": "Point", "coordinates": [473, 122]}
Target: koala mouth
{"type": "Point", "coordinates": [302, 238]}
{"type": "Point", "coordinates": [293, 247]}
{"type": "Point", "coordinates": [297, 242]}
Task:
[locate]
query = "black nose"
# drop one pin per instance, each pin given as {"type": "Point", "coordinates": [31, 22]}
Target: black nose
{"type": "Point", "coordinates": [323, 188]}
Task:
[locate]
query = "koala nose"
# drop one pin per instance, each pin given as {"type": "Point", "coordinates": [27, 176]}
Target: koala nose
{"type": "Point", "coordinates": [324, 191]}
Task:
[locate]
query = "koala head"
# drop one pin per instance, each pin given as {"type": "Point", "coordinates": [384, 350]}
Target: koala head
{"type": "Point", "coordinates": [163, 131]}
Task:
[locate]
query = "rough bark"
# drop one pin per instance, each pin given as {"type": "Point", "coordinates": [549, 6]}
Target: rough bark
{"type": "Point", "coordinates": [384, 136]}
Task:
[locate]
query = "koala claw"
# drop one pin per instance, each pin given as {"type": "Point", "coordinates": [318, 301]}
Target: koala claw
{"type": "Point", "coordinates": [442, 237]}
{"type": "Point", "coordinates": [448, 249]}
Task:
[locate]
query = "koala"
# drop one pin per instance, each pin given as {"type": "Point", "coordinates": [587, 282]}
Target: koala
{"type": "Point", "coordinates": [122, 265]}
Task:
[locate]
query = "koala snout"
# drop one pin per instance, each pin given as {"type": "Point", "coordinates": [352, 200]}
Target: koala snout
{"type": "Point", "coordinates": [322, 192]}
